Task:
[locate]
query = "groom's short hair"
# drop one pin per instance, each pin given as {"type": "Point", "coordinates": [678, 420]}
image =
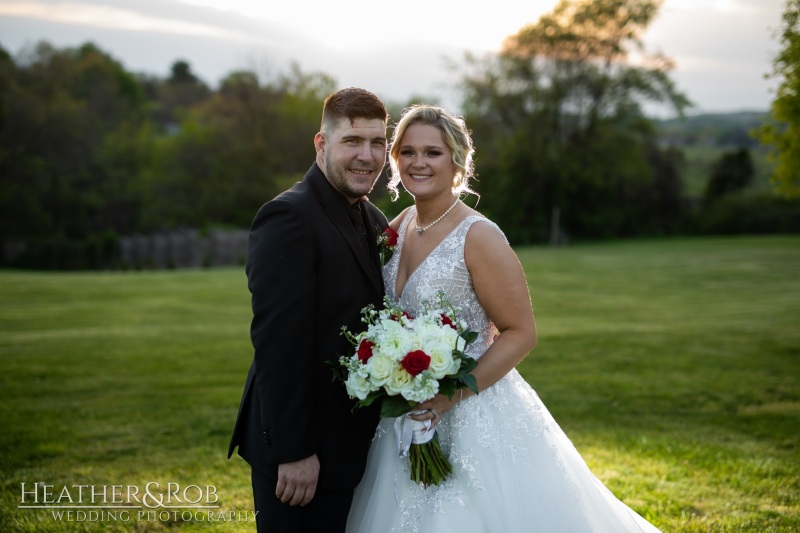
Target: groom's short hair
{"type": "Point", "coordinates": [351, 103]}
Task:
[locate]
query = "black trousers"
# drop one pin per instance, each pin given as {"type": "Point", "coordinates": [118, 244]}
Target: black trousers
{"type": "Point", "coordinates": [326, 513]}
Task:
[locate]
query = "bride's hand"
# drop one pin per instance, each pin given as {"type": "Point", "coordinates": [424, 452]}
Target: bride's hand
{"type": "Point", "coordinates": [435, 408]}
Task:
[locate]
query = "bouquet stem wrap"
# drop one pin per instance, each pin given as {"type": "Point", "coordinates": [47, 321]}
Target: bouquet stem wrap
{"type": "Point", "coordinates": [428, 464]}
{"type": "Point", "coordinates": [409, 431]}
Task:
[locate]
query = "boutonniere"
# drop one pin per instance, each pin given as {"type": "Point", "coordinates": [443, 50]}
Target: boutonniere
{"type": "Point", "coordinates": [387, 241]}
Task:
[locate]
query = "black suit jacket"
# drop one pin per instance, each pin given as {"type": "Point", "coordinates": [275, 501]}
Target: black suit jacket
{"type": "Point", "coordinates": [309, 275]}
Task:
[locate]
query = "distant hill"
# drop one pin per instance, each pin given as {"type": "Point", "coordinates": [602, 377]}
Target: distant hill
{"type": "Point", "coordinates": [712, 129]}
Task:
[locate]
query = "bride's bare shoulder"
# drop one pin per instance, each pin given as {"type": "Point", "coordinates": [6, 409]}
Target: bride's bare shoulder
{"type": "Point", "coordinates": [484, 235]}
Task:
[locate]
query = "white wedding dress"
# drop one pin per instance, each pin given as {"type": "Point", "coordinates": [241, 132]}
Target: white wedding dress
{"type": "Point", "coordinates": [514, 469]}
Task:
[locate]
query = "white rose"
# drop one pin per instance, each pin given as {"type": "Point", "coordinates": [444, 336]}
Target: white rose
{"type": "Point", "coordinates": [427, 332]}
{"type": "Point", "coordinates": [449, 335]}
{"type": "Point", "coordinates": [380, 369]}
{"type": "Point", "coordinates": [399, 381]}
{"type": "Point", "coordinates": [357, 386]}
{"type": "Point", "coordinates": [442, 362]}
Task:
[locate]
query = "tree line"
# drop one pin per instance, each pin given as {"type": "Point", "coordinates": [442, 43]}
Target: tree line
{"type": "Point", "coordinates": [90, 152]}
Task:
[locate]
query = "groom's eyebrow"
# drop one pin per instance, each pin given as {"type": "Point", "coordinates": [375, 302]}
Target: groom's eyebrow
{"type": "Point", "coordinates": [354, 137]}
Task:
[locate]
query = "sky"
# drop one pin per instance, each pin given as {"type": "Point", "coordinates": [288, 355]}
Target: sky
{"type": "Point", "coordinates": [722, 48]}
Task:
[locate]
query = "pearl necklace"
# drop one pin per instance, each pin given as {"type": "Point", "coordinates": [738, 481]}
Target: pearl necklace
{"type": "Point", "coordinates": [420, 231]}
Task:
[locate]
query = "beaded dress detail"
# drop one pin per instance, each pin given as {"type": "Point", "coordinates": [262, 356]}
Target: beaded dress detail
{"type": "Point", "coordinates": [514, 469]}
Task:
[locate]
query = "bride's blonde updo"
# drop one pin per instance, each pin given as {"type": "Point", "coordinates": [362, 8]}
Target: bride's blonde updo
{"type": "Point", "coordinates": [455, 134]}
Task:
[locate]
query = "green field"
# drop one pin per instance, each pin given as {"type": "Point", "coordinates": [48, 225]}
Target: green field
{"type": "Point", "coordinates": [673, 365]}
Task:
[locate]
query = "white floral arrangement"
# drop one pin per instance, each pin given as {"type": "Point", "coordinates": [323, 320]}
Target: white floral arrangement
{"type": "Point", "coordinates": [403, 360]}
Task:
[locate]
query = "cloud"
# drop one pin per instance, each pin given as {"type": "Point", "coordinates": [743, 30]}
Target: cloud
{"type": "Point", "coordinates": [149, 33]}
{"type": "Point", "coordinates": [234, 42]}
{"type": "Point", "coordinates": [115, 18]}
{"type": "Point", "coordinates": [722, 48]}
{"type": "Point", "coordinates": [731, 6]}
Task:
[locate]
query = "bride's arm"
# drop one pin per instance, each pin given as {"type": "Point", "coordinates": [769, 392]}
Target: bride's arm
{"type": "Point", "coordinates": [395, 224]}
{"type": "Point", "coordinates": [503, 292]}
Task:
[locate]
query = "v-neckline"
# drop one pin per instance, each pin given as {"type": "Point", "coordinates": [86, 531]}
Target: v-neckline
{"type": "Point", "coordinates": [404, 232]}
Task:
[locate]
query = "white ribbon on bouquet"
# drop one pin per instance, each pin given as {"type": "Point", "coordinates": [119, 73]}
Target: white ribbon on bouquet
{"type": "Point", "coordinates": [409, 431]}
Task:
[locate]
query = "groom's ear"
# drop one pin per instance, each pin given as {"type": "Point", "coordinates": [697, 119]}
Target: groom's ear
{"type": "Point", "coordinates": [320, 140]}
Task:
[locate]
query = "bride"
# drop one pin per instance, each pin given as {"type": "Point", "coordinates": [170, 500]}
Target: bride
{"type": "Point", "coordinates": [514, 469]}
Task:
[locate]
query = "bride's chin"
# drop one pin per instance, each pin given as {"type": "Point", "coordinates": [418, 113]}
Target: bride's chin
{"type": "Point", "coordinates": [417, 187]}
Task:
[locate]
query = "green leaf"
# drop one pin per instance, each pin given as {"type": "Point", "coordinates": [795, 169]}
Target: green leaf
{"type": "Point", "coordinates": [468, 364]}
{"type": "Point", "coordinates": [447, 387]}
{"type": "Point", "coordinates": [394, 406]}
{"type": "Point", "coordinates": [338, 372]}
{"type": "Point", "coordinates": [469, 336]}
{"type": "Point", "coordinates": [371, 397]}
{"type": "Point", "coordinates": [470, 382]}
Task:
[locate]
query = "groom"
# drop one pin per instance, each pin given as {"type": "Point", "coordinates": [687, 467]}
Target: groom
{"type": "Point", "coordinates": [312, 264]}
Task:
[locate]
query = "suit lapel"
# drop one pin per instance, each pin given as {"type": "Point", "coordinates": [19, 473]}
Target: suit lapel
{"type": "Point", "coordinates": [333, 209]}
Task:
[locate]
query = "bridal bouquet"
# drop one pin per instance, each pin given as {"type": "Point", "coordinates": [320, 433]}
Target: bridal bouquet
{"type": "Point", "coordinates": [402, 360]}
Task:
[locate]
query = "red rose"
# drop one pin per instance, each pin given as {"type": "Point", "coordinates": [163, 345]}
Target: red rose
{"type": "Point", "coordinates": [365, 350]}
{"type": "Point", "coordinates": [416, 362]}
{"type": "Point", "coordinates": [390, 237]}
{"type": "Point", "coordinates": [447, 322]}
{"type": "Point", "coordinates": [396, 318]}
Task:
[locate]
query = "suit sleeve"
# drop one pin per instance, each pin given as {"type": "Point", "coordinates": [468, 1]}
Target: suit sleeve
{"type": "Point", "coordinates": [281, 278]}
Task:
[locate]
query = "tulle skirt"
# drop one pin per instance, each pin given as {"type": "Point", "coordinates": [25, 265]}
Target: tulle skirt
{"type": "Point", "coordinates": [514, 471]}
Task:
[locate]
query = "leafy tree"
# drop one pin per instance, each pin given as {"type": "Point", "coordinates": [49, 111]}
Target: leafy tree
{"type": "Point", "coordinates": [59, 107]}
{"type": "Point", "coordinates": [172, 97]}
{"type": "Point", "coordinates": [559, 126]}
{"type": "Point", "coordinates": [182, 74]}
{"type": "Point", "coordinates": [22, 183]}
{"type": "Point", "coordinates": [581, 49]}
{"type": "Point", "coordinates": [784, 135]}
{"type": "Point", "coordinates": [236, 150]}
{"type": "Point", "coordinates": [732, 172]}
{"type": "Point", "coordinates": [181, 91]}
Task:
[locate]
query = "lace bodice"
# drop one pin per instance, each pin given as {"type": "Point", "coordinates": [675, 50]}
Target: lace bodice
{"type": "Point", "coordinates": [444, 269]}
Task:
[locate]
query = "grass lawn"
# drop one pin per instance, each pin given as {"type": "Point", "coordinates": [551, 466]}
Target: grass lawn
{"type": "Point", "coordinates": [673, 365]}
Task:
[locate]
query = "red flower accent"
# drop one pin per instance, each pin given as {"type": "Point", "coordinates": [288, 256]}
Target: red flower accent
{"type": "Point", "coordinates": [387, 241]}
{"type": "Point", "coordinates": [447, 322]}
{"type": "Point", "coordinates": [390, 237]}
{"type": "Point", "coordinates": [396, 318]}
{"type": "Point", "coordinates": [365, 350]}
{"type": "Point", "coordinates": [416, 362]}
